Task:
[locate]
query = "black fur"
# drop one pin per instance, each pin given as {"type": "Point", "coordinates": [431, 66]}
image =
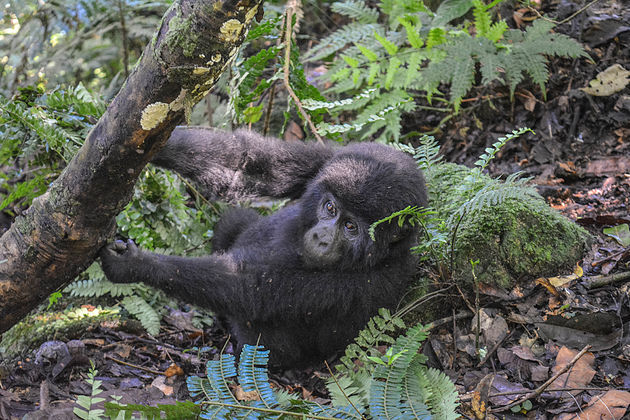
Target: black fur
{"type": "Point", "coordinates": [303, 279]}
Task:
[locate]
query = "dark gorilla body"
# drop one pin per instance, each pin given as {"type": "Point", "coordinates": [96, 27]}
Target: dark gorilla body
{"type": "Point", "coordinates": [307, 278]}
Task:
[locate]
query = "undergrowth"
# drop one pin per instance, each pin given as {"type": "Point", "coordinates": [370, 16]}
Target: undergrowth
{"type": "Point", "coordinates": [398, 385]}
{"type": "Point", "coordinates": [389, 56]}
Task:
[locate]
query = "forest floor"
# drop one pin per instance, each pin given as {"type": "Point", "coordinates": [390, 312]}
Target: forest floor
{"type": "Point", "coordinates": [580, 161]}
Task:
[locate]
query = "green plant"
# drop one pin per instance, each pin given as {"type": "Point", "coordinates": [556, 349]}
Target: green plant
{"type": "Point", "coordinates": [181, 410]}
{"type": "Point", "coordinates": [387, 55]}
{"type": "Point", "coordinates": [255, 78]}
{"type": "Point", "coordinates": [379, 330]}
{"type": "Point", "coordinates": [67, 41]}
{"type": "Point", "coordinates": [42, 326]}
{"type": "Point", "coordinates": [398, 386]}
{"type": "Point", "coordinates": [484, 194]}
{"type": "Point", "coordinates": [39, 132]}
{"type": "Point", "coordinates": [85, 409]}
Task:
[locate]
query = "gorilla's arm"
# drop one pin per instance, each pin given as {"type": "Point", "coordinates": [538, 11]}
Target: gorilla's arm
{"type": "Point", "coordinates": [205, 281]}
{"type": "Point", "coordinates": [252, 292]}
{"type": "Point", "coordinates": [241, 165]}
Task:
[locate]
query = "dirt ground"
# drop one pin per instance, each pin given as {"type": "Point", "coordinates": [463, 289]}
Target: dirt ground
{"type": "Point", "coordinates": [580, 160]}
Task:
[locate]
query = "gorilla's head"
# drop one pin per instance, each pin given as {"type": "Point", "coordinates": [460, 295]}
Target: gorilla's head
{"type": "Point", "coordinates": [364, 183]}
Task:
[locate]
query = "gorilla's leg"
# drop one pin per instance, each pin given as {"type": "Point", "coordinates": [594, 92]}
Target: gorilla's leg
{"type": "Point", "coordinates": [233, 222]}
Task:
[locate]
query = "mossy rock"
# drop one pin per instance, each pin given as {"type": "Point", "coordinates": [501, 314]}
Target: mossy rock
{"type": "Point", "coordinates": [514, 241]}
{"type": "Point", "coordinates": [39, 327]}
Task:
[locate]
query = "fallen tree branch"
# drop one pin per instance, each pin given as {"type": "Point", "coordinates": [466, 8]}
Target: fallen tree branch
{"type": "Point", "coordinates": [60, 234]}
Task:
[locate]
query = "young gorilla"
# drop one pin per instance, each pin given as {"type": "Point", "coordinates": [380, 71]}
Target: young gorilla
{"type": "Point", "coordinates": [307, 278]}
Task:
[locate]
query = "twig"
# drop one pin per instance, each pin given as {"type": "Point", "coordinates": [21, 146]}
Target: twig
{"type": "Point", "coordinates": [272, 93]}
{"type": "Point", "coordinates": [287, 61]}
{"type": "Point", "coordinates": [155, 372]}
{"type": "Point", "coordinates": [544, 386]}
{"type": "Point", "coordinates": [469, 396]}
{"type": "Point", "coordinates": [599, 281]}
{"type": "Point", "coordinates": [341, 389]}
{"type": "Point", "coordinates": [267, 410]}
{"type": "Point", "coordinates": [457, 316]}
{"type": "Point", "coordinates": [565, 20]}
{"type": "Point", "coordinates": [125, 41]}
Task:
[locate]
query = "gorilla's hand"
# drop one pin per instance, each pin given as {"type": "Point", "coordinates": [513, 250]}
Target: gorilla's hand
{"type": "Point", "coordinates": [118, 260]}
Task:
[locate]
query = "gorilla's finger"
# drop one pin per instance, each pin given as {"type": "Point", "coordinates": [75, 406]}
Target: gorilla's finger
{"type": "Point", "coordinates": [118, 246]}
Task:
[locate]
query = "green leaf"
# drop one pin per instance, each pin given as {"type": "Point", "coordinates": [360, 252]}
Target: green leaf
{"type": "Point", "coordinates": [369, 54]}
{"type": "Point", "coordinates": [253, 114]}
{"type": "Point", "coordinates": [389, 46]}
{"type": "Point", "coordinates": [449, 10]}
{"type": "Point", "coordinates": [620, 233]}
{"type": "Point", "coordinates": [413, 35]}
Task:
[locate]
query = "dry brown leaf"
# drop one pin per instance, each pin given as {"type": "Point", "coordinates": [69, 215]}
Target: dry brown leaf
{"type": "Point", "coordinates": [579, 376]}
{"type": "Point", "coordinates": [173, 370]}
{"type": "Point", "coordinates": [123, 350]}
{"type": "Point", "coordinates": [610, 406]}
{"type": "Point", "coordinates": [612, 80]}
{"type": "Point", "coordinates": [242, 395]}
{"type": "Point", "coordinates": [160, 383]}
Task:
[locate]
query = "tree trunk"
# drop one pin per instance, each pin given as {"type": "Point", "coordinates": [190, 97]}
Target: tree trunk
{"type": "Point", "coordinates": [62, 231]}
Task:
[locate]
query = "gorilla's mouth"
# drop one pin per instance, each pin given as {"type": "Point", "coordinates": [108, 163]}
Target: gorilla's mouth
{"type": "Point", "coordinates": [314, 257]}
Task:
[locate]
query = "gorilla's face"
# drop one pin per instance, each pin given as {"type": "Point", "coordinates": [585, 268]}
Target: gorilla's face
{"type": "Point", "coordinates": [335, 234]}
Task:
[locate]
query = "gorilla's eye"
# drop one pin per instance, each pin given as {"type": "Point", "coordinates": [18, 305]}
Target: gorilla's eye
{"type": "Point", "coordinates": [350, 226]}
{"type": "Point", "coordinates": [330, 208]}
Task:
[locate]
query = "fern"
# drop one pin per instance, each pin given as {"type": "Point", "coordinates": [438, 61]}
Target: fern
{"type": "Point", "coordinates": [356, 10]}
{"type": "Point", "coordinates": [349, 34]}
{"type": "Point", "coordinates": [399, 387]}
{"type": "Point", "coordinates": [404, 58]}
{"type": "Point", "coordinates": [213, 393]}
{"type": "Point", "coordinates": [490, 152]}
{"type": "Point", "coordinates": [148, 317]}
{"type": "Point", "coordinates": [387, 381]}
{"type": "Point", "coordinates": [440, 393]}
{"type": "Point", "coordinates": [527, 51]}
{"type": "Point", "coordinates": [41, 131]}
{"type": "Point", "coordinates": [427, 154]}
{"type": "Point", "coordinates": [254, 379]}
{"type": "Point", "coordinates": [410, 215]}
{"type": "Point", "coordinates": [85, 403]}
{"type": "Point", "coordinates": [377, 331]}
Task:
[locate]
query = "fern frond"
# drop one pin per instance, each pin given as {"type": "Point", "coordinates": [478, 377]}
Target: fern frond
{"type": "Point", "coordinates": [482, 18]}
{"type": "Point", "coordinates": [436, 36]}
{"type": "Point", "coordinates": [147, 316]}
{"type": "Point", "coordinates": [490, 152]}
{"type": "Point", "coordinates": [356, 10]}
{"type": "Point", "coordinates": [496, 31]}
{"type": "Point", "coordinates": [386, 388]}
{"type": "Point", "coordinates": [376, 332]}
{"type": "Point", "coordinates": [462, 79]}
{"type": "Point", "coordinates": [415, 391]}
{"type": "Point", "coordinates": [96, 287]}
{"type": "Point", "coordinates": [442, 396]}
{"type": "Point", "coordinates": [349, 34]}
{"type": "Point", "coordinates": [491, 63]}
{"type": "Point", "coordinates": [493, 194]}
{"type": "Point", "coordinates": [428, 153]}
{"type": "Point", "coordinates": [252, 374]}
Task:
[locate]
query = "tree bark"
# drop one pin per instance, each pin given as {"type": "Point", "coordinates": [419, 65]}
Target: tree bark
{"type": "Point", "coordinates": [62, 231]}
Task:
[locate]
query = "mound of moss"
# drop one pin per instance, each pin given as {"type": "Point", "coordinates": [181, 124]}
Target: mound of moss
{"type": "Point", "coordinates": [515, 240]}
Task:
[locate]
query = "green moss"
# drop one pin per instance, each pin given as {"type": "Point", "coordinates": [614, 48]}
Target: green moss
{"type": "Point", "coordinates": [515, 240]}
{"type": "Point", "coordinates": [181, 36]}
{"type": "Point", "coordinates": [38, 328]}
